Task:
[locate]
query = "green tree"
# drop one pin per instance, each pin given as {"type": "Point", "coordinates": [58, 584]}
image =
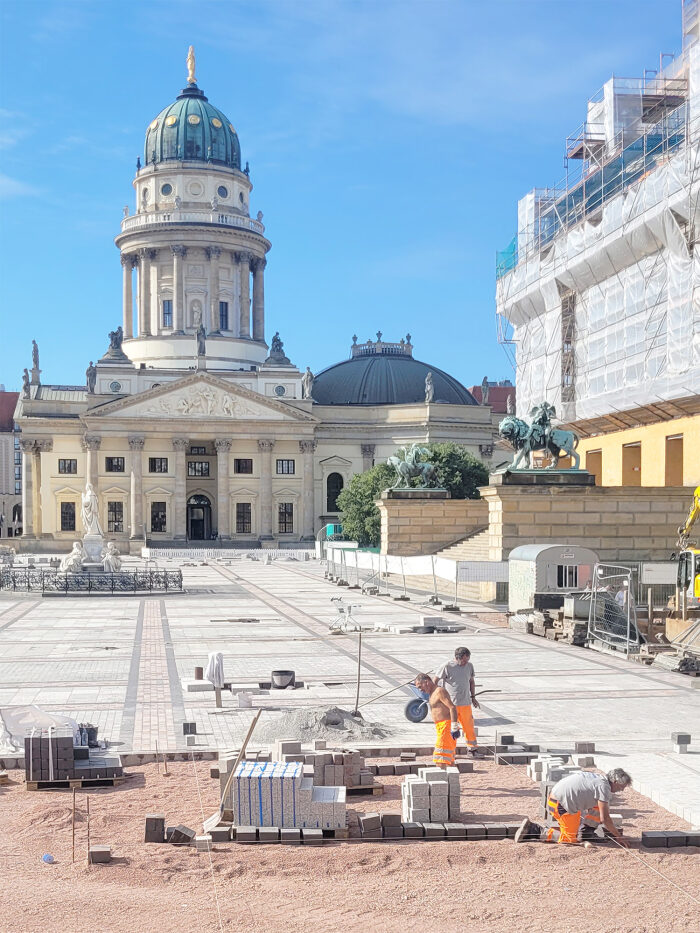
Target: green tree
{"type": "Point", "coordinates": [457, 470]}
{"type": "Point", "coordinates": [360, 516]}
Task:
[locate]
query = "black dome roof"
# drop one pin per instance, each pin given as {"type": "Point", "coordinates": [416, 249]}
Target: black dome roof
{"type": "Point", "coordinates": [385, 379]}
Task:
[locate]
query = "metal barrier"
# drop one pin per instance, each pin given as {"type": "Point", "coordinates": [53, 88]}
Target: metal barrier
{"type": "Point", "coordinates": [123, 581]}
{"type": "Point", "coordinates": [612, 618]}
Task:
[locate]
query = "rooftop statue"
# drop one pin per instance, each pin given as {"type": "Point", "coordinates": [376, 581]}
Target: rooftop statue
{"type": "Point", "coordinates": [115, 338]}
{"type": "Point", "coordinates": [191, 64]}
{"type": "Point", "coordinates": [307, 383]}
{"type": "Point", "coordinates": [91, 377]}
{"type": "Point", "coordinates": [429, 388]}
{"type": "Point", "coordinates": [201, 341]}
{"type": "Point", "coordinates": [408, 464]}
{"type": "Point", "coordinates": [539, 435]}
{"type": "Point", "coordinates": [35, 355]}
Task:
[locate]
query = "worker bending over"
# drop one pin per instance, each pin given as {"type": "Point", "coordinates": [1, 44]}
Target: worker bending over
{"type": "Point", "coordinates": [578, 796]}
{"type": "Point", "coordinates": [458, 679]}
{"type": "Point", "coordinates": [444, 714]}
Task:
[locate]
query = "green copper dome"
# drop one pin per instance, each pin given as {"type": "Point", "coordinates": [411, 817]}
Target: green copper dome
{"type": "Point", "coordinates": [191, 129]}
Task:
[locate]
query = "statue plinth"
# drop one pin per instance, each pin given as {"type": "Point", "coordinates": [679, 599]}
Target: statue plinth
{"type": "Point", "coordinates": [201, 362]}
{"type": "Point", "coordinates": [92, 545]}
{"type": "Point", "coordinates": [413, 493]}
{"type": "Point", "coordinates": [36, 376]}
{"type": "Point", "coordinates": [542, 478]}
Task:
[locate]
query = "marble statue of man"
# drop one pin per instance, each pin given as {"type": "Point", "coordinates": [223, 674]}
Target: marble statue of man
{"type": "Point", "coordinates": [35, 355]}
{"type": "Point", "coordinates": [485, 391]}
{"type": "Point", "coordinates": [201, 341]}
{"type": "Point", "coordinates": [429, 389]}
{"type": "Point", "coordinates": [90, 511]}
{"type": "Point", "coordinates": [510, 405]}
{"type": "Point", "coordinates": [307, 383]}
{"type": "Point", "coordinates": [25, 383]}
{"type": "Point", "coordinates": [111, 561]}
{"type": "Point", "coordinates": [91, 377]}
{"type": "Point", "coordinates": [73, 562]}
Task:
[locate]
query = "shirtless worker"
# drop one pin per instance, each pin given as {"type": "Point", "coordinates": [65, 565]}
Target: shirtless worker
{"type": "Point", "coordinates": [580, 795]}
{"type": "Point", "coordinates": [444, 714]}
{"type": "Point", "coordinates": [458, 679]}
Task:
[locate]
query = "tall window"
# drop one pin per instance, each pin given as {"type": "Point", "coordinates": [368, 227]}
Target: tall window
{"type": "Point", "coordinates": [115, 516]}
{"type": "Point", "coordinates": [158, 516]}
{"type": "Point", "coordinates": [198, 468]}
{"type": "Point", "coordinates": [114, 464]}
{"type": "Point", "coordinates": [67, 466]}
{"type": "Point", "coordinates": [242, 466]}
{"type": "Point", "coordinates": [167, 313]}
{"type": "Point", "coordinates": [243, 518]}
{"type": "Point", "coordinates": [285, 466]}
{"type": "Point", "coordinates": [286, 518]}
{"type": "Point", "coordinates": [334, 485]}
{"type": "Point", "coordinates": [223, 315]}
{"type": "Point", "coordinates": [68, 516]}
{"type": "Point", "coordinates": [157, 464]}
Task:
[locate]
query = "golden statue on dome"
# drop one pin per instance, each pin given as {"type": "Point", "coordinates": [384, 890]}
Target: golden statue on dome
{"type": "Point", "coordinates": [191, 66]}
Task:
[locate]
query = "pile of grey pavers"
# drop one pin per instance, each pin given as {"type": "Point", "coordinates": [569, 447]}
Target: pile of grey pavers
{"type": "Point", "coordinates": [669, 839]}
{"type": "Point", "coordinates": [391, 826]}
{"type": "Point", "coordinates": [431, 796]}
{"type": "Point", "coordinates": [51, 757]}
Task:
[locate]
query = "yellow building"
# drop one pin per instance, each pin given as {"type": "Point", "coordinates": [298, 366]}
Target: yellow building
{"type": "Point", "coordinates": [661, 453]}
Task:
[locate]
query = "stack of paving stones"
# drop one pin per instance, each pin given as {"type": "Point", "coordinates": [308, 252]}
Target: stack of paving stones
{"type": "Point", "coordinates": [681, 741]}
{"type": "Point", "coordinates": [277, 794]}
{"type": "Point", "coordinates": [49, 755]}
{"type": "Point", "coordinates": [431, 796]}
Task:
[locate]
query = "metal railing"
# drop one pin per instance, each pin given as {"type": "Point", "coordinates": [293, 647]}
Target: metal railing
{"type": "Point", "coordinates": [148, 218]}
{"type": "Point", "coordinates": [123, 581]}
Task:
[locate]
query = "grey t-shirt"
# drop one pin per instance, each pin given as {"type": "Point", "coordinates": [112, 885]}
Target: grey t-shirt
{"type": "Point", "coordinates": [455, 678]}
{"type": "Point", "coordinates": [581, 791]}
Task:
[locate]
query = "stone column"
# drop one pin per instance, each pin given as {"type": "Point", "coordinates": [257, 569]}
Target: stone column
{"type": "Point", "coordinates": [179, 253]}
{"type": "Point", "coordinates": [367, 456]}
{"type": "Point", "coordinates": [243, 259]}
{"type": "Point", "coordinates": [28, 482]}
{"type": "Point", "coordinates": [259, 299]}
{"type": "Point", "coordinates": [223, 448]}
{"type": "Point", "coordinates": [266, 447]}
{"type": "Point", "coordinates": [145, 292]}
{"type": "Point", "coordinates": [91, 444]}
{"type": "Point", "coordinates": [128, 262]}
{"type": "Point", "coordinates": [213, 254]}
{"type": "Point", "coordinates": [42, 446]}
{"type": "Point", "coordinates": [179, 525]}
{"type": "Point", "coordinates": [307, 489]}
{"type": "Point", "coordinates": [136, 530]}
{"type": "Point", "coordinates": [152, 306]}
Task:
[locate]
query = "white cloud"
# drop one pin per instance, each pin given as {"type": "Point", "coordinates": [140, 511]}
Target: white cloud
{"type": "Point", "coordinates": [13, 188]}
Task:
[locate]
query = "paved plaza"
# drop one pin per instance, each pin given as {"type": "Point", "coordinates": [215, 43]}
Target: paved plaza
{"type": "Point", "coordinates": [119, 662]}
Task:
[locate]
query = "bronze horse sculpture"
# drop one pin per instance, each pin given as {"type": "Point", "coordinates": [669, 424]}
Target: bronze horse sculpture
{"type": "Point", "coordinates": [526, 439]}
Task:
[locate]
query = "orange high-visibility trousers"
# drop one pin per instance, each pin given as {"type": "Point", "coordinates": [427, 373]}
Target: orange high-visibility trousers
{"type": "Point", "coordinates": [569, 823]}
{"type": "Point", "coordinates": [466, 721]}
{"type": "Point", "coordinates": [445, 745]}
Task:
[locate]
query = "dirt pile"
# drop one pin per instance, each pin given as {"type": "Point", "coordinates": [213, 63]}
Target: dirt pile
{"type": "Point", "coordinates": [330, 723]}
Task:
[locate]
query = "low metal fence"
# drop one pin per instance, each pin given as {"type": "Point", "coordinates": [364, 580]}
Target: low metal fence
{"type": "Point", "coordinates": [123, 581]}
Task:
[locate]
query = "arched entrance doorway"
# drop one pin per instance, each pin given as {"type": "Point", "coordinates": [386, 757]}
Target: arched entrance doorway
{"type": "Point", "coordinates": [198, 518]}
{"type": "Point", "coordinates": [334, 486]}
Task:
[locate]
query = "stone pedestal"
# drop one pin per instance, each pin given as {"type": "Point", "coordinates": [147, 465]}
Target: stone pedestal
{"type": "Point", "coordinates": [92, 545]}
{"type": "Point", "coordinates": [422, 521]}
{"type": "Point", "coordinates": [543, 478]}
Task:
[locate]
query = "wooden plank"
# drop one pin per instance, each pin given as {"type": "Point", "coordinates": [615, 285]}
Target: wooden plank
{"type": "Point", "coordinates": [359, 790]}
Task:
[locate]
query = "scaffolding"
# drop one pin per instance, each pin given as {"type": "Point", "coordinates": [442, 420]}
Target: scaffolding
{"type": "Point", "coordinates": [598, 294]}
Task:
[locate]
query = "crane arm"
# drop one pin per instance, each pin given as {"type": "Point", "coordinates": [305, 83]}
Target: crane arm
{"type": "Point", "coordinates": [692, 516]}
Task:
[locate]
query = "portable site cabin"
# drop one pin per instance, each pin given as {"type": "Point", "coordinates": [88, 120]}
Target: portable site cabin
{"type": "Point", "coordinates": [540, 575]}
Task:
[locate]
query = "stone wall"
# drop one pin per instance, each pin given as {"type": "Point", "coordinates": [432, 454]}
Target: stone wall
{"type": "Point", "coordinates": [618, 522]}
{"type": "Point", "coordinates": [424, 526]}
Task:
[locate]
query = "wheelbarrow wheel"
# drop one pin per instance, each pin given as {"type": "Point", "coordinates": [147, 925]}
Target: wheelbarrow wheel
{"type": "Point", "coordinates": [416, 710]}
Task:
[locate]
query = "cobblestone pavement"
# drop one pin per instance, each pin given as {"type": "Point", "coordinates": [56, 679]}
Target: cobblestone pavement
{"type": "Point", "coordinates": [119, 663]}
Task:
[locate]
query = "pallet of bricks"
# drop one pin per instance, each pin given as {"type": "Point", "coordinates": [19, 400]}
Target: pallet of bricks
{"type": "Point", "coordinates": [51, 758]}
{"type": "Point", "coordinates": [550, 623]}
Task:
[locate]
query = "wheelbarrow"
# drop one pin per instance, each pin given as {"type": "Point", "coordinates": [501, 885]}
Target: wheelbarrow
{"type": "Point", "coordinates": [417, 709]}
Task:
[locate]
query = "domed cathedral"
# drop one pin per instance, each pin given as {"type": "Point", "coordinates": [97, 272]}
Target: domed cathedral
{"type": "Point", "coordinates": [191, 427]}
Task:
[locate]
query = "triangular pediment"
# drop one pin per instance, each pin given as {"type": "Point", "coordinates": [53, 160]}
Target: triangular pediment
{"type": "Point", "coordinates": [200, 396]}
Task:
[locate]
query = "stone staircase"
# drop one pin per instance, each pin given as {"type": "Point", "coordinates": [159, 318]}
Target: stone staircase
{"type": "Point", "coordinates": [474, 547]}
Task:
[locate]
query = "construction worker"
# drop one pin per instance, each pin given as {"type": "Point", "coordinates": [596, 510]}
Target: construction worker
{"type": "Point", "coordinates": [578, 796]}
{"type": "Point", "coordinates": [458, 679]}
{"type": "Point", "coordinates": [444, 714]}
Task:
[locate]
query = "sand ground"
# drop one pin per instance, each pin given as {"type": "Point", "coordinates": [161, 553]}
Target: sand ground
{"type": "Point", "coordinates": [351, 886]}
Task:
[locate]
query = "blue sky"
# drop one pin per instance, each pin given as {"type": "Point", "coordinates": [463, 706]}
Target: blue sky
{"type": "Point", "coordinates": [388, 144]}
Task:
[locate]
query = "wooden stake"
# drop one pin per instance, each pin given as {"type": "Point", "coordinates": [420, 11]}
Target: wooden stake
{"type": "Point", "coordinates": [73, 824]}
{"type": "Point", "coordinates": [356, 711]}
{"type": "Point", "coordinates": [87, 800]}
